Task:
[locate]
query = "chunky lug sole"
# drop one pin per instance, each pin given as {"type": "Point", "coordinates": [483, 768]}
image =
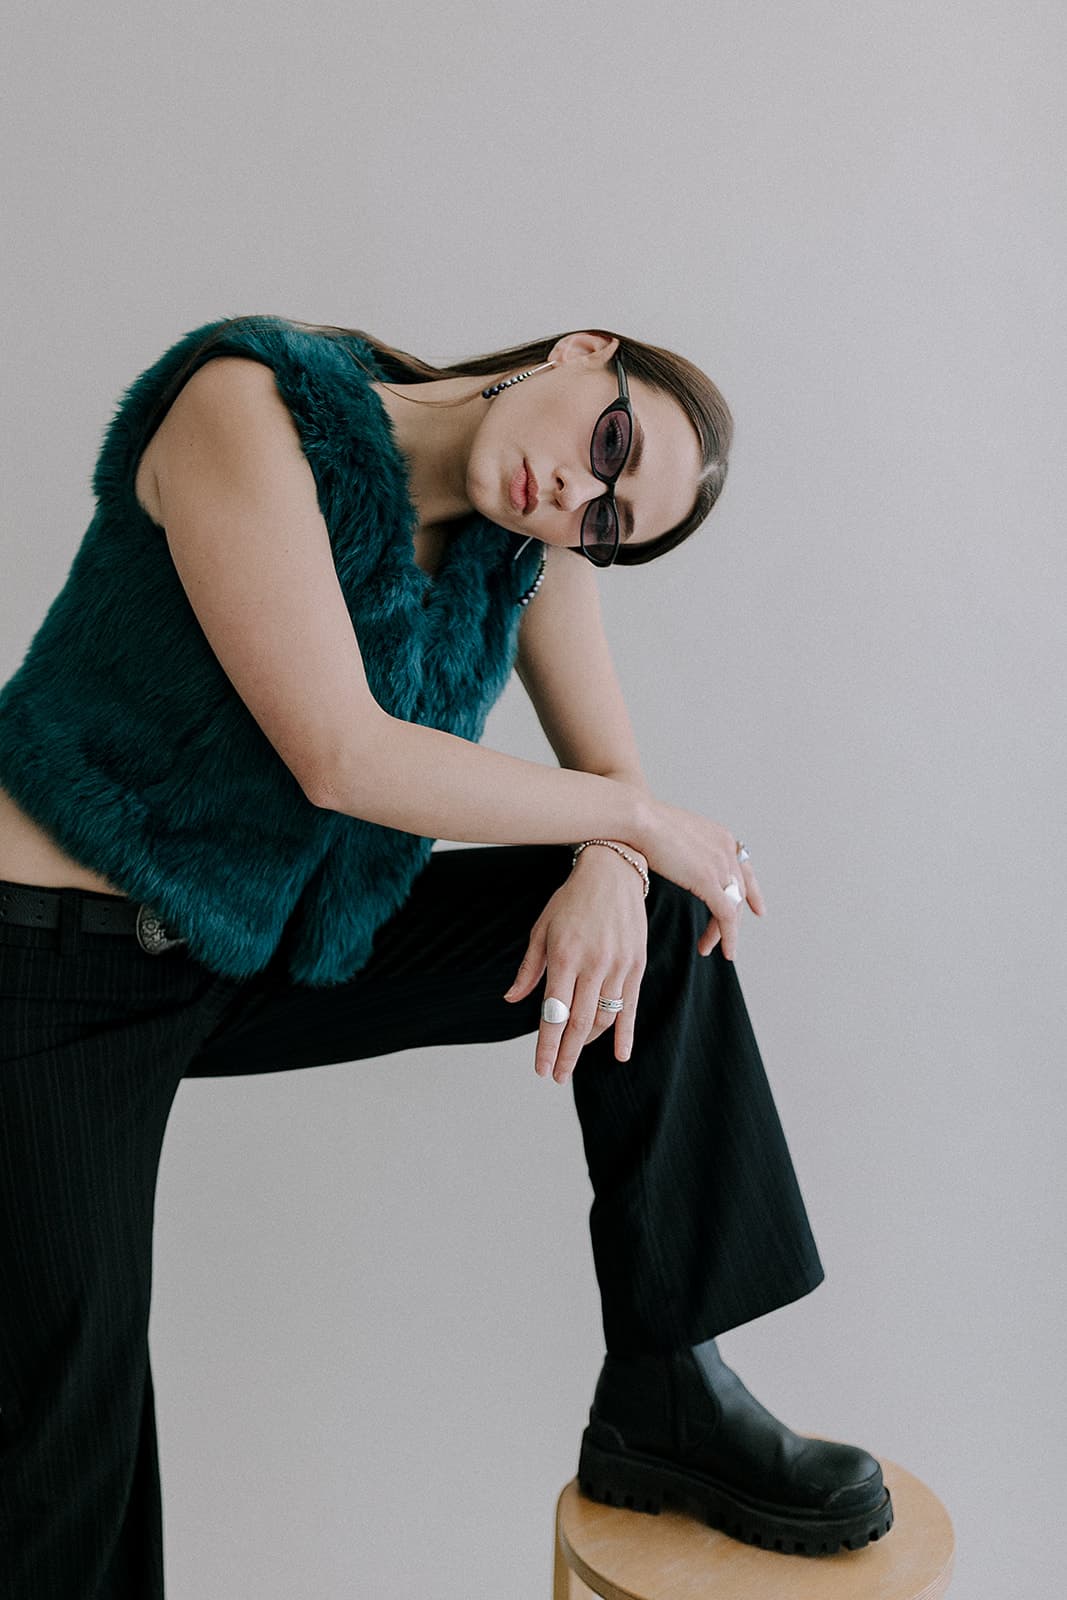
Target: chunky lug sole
{"type": "Point", "coordinates": [643, 1483]}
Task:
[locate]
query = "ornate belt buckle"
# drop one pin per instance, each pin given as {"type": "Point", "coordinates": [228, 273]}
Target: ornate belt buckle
{"type": "Point", "coordinates": [152, 935]}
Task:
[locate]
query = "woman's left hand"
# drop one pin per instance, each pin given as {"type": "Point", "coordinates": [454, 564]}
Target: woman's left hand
{"type": "Point", "coordinates": [592, 938]}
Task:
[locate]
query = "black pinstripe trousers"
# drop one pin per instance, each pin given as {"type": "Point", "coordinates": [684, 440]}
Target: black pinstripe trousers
{"type": "Point", "coordinates": [697, 1221]}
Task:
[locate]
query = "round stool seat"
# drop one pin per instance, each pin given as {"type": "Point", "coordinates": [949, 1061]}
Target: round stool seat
{"type": "Point", "coordinates": [631, 1555]}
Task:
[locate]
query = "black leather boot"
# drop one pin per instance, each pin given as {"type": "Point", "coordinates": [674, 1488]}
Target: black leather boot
{"type": "Point", "coordinates": [682, 1430]}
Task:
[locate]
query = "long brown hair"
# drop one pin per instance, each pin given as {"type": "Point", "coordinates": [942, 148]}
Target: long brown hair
{"type": "Point", "coordinates": [661, 369]}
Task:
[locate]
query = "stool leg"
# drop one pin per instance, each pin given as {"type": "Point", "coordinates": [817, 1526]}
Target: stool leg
{"type": "Point", "coordinates": [560, 1575]}
{"type": "Point", "coordinates": [561, 1572]}
{"type": "Point", "coordinates": [566, 1584]}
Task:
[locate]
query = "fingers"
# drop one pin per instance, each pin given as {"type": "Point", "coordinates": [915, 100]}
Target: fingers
{"type": "Point", "coordinates": [728, 917]}
{"type": "Point", "coordinates": [559, 1044]}
{"type": "Point", "coordinates": [725, 901]}
{"type": "Point", "coordinates": [725, 924]}
{"type": "Point", "coordinates": [530, 967]}
{"type": "Point", "coordinates": [753, 894]}
{"type": "Point", "coordinates": [624, 1022]}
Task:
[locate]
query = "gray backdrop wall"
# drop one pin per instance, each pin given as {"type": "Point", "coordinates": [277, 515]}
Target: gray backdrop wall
{"type": "Point", "coordinates": [372, 1373]}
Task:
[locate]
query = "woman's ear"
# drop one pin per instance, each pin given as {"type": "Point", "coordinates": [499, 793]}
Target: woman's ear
{"type": "Point", "coordinates": [597, 349]}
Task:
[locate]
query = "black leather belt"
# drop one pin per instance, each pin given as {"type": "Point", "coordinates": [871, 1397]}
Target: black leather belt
{"type": "Point", "coordinates": [26, 906]}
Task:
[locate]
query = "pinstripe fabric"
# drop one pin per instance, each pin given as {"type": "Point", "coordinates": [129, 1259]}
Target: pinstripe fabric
{"type": "Point", "coordinates": [697, 1221]}
{"type": "Point", "coordinates": [93, 1041]}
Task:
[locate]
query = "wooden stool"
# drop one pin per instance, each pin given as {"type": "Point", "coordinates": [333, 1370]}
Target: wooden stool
{"type": "Point", "coordinates": [630, 1555]}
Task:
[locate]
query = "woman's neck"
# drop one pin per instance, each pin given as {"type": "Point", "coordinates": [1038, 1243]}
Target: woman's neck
{"type": "Point", "coordinates": [436, 441]}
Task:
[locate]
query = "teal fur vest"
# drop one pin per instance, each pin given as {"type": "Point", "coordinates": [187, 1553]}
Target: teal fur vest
{"type": "Point", "coordinates": [122, 736]}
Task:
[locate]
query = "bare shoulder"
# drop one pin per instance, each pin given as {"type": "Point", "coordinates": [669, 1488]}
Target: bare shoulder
{"type": "Point", "coordinates": [567, 574]}
{"type": "Point", "coordinates": [224, 389]}
{"type": "Point", "coordinates": [561, 557]}
{"type": "Point", "coordinates": [569, 579]}
{"type": "Point", "coordinates": [565, 608]}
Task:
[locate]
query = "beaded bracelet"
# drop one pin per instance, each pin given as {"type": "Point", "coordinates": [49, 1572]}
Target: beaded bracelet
{"type": "Point", "coordinates": [619, 851]}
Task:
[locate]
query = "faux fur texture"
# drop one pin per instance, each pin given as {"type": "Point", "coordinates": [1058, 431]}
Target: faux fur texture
{"type": "Point", "coordinates": [121, 734]}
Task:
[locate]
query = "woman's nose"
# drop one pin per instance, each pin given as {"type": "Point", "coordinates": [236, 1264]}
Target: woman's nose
{"type": "Point", "coordinates": [576, 489]}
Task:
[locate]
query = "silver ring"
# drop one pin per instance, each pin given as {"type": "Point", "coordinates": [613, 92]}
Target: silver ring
{"type": "Point", "coordinates": [732, 892]}
{"type": "Point", "coordinates": [553, 1010]}
{"type": "Point", "coordinates": [604, 1004]}
{"type": "Point", "coordinates": [742, 853]}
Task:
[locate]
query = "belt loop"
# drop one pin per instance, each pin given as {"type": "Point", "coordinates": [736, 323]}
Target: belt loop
{"type": "Point", "coordinates": [70, 921]}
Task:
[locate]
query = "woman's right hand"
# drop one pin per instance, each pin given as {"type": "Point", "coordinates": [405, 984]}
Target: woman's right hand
{"type": "Point", "coordinates": [701, 856]}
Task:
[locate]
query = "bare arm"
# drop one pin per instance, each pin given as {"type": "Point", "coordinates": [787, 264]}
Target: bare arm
{"type": "Point", "coordinates": [430, 782]}
{"type": "Point", "coordinates": [564, 663]}
{"type": "Point", "coordinates": [240, 513]}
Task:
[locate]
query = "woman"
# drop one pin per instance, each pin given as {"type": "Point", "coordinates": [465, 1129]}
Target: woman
{"type": "Point", "coordinates": [223, 762]}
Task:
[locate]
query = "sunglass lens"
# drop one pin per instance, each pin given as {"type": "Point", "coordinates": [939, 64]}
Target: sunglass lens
{"type": "Point", "coordinates": [600, 531]}
{"type": "Point", "coordinates": [611, 442]}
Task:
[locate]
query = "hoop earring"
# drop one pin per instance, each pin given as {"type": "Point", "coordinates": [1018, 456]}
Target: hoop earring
{"type": "Point", "coordinates": [505, 383]}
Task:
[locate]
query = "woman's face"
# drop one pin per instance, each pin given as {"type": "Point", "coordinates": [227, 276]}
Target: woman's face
{"type": "Point", "coordinates": [545, 424]}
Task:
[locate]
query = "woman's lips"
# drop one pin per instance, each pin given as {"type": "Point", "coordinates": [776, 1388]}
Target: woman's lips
{"type": "Point", "coordinates": [522, 491]}
{"type": "Point", "coordinates": [531, 490]}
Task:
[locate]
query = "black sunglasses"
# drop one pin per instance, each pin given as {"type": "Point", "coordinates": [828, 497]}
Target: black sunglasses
{"type": "Point", "coordinates": [608, 452]}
